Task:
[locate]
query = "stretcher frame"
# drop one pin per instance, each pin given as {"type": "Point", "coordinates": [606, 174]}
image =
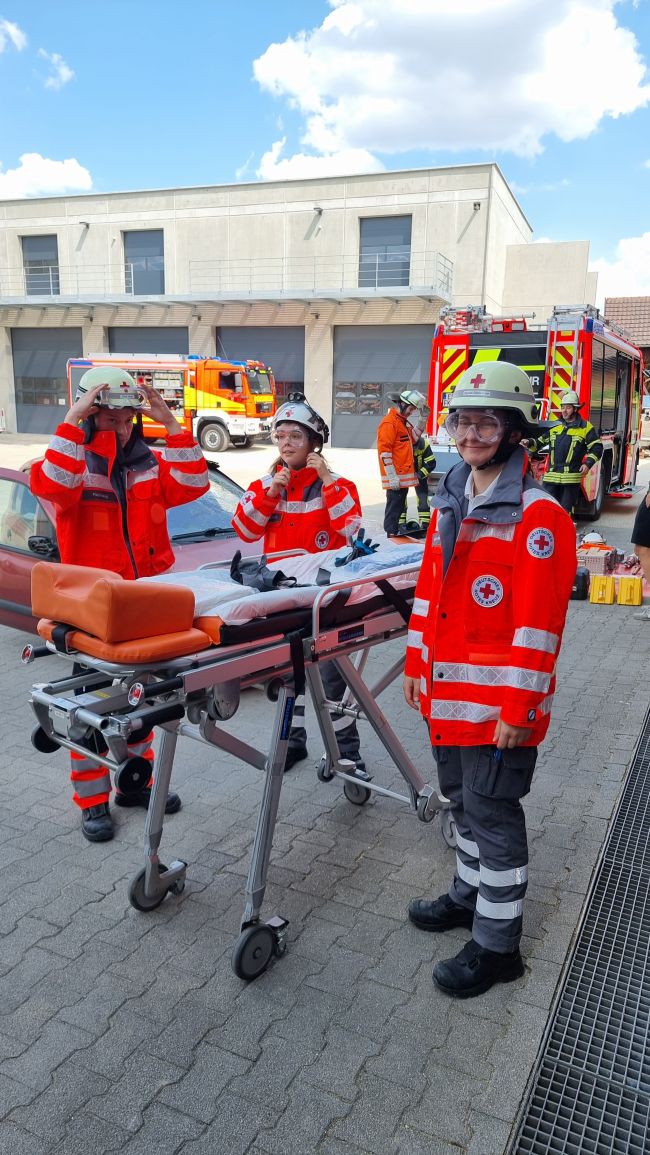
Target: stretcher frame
{"type": "Point", "coordinates": [192, 696]}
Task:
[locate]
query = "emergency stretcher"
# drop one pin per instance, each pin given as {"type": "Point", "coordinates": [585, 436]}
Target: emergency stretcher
{"type": "Point", "coordinates": [186, 677]}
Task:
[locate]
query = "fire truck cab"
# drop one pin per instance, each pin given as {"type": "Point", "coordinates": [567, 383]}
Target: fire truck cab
{"type": "Point", "coordinates": [576, 349]}
{"type": "Point", "coordinates": [221, 402]}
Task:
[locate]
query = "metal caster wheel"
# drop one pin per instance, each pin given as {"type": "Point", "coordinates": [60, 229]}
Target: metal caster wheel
{"type": "Point", "coordinates": [253, 952]}
{"type": "Point", "coordinates": [42, 741]}
{"type": "Point", "coordinates": [425, 814]}
{"type": "Point", "coordinates": [132, 775]}
{"type": "Point", "coordinates": [177, 887]}
{"type": "Point", "coordinates": [137, 897]}
{"type": "Point", "coordinates": [323, 771]}
{"type": "Point", "coordinates": [357, 795]}
{"type": "Point", "coordinates": [448, 827]}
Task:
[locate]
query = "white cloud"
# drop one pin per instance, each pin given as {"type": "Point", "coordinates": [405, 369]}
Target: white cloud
{"type": "Point", "coordinates": [11, 34]}
{"type": "Point", "coordinates": [628, 275]}
{"type": "Point", "coordinates": [61, 72]}
{"type": "Point", "coordinates": [390, 76]}
{"type": "Point", "coordinates": [38, 176]}
{"type": "Point", "coordinates": [273, 166]}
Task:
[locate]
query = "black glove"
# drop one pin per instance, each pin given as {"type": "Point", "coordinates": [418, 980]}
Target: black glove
{"type": "Point", "coordinates": [254, 572]}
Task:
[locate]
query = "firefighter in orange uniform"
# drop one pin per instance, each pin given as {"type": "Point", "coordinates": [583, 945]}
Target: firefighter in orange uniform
{"type": "Point", "coordinates": [396, 461]}
{"type": "Point", "coordinates": [111, 493]}
{"type": "Point", "coordinates": [484, 638]}
{"type": "Point", "coordinates": [301, 504]}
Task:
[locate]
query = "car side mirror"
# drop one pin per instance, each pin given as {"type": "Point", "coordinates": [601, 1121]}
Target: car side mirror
{"type": "Point", "coordinates": [44, 547]}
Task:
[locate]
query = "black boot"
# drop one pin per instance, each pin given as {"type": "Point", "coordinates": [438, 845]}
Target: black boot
{"type": "Point", "coordinates": [475, 969]}
{"type": "Point", "coordinates": [97, 824]}
{"type": "Point", "coordinates": [295, 754]}
{"type": "Point", "coordinates": [143, 797]}
{"type": "Point", "coordinates": [439, 914]}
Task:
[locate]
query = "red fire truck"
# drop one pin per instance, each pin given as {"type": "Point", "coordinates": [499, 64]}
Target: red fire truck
{"type": "Point", "coordinates": [576, 349]}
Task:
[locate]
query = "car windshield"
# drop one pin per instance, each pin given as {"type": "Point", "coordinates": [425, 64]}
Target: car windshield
{"type": "Point", "coordinates": [258, 380]}
{"type": "Point", "coordinates": [209, 515]}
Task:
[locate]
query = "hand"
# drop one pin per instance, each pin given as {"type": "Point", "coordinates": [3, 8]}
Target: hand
{"type": "Point", "coordinates": [411, 688]}
{"type": "Point", "coordinates": [317, 462]}
{"type": "Point", "coordinates": [584, 469]}
{"type": "Point", "coordinates": [159, 410]}
{"type": "Point", "coordinates": [509, 737]}
{"type": "Point", "coordinates": [280, 481]}
{"type": "Point", "coordinates": [395, 486]}
{"type": "Point", "coordinates": [84, 407]}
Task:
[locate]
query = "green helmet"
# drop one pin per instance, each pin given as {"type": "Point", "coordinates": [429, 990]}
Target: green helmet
{"type": "Point", "coordinates": [496, 385]}
{"type": "Point", "coordinates": [119, 389]}
{"type": "Point", "coordinates": [571, 398]}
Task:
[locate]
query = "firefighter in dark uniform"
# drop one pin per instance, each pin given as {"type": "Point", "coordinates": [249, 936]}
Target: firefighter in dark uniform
{"type": "Point", "coordinates": [574, 447]}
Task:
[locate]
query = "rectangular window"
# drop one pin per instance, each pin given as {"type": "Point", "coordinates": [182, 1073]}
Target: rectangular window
{"type": "Point", "coordinates": [608, 417]}
{"type": "Point", "coordinates": [384, 252]}
{"type": "Point", "coordinates": [41, 266]}
{"type": "Point", "coordinates": [144, 262]}
{"type": "Point", "coordinates": [596, 395]}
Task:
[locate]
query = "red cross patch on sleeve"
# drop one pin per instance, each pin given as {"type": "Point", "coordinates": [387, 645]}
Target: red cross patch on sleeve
{"type": "Point", "coordinates": [540, 543]}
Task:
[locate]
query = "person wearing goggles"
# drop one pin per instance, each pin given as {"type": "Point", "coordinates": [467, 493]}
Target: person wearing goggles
{"type": "Point", "coordinates": [300, 503]}
{"type": "Point", "coordinates": [484, 637]}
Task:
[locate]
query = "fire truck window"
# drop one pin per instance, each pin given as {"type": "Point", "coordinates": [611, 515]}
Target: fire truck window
{"type": "Point", "coordinates": [608, 417]}
{"type": "Point", "coordinates": [231, 381]}
{"type": "Point", "coordinates": [623, 368]}
{"type": "Point", "coordinates": [636, 398]}
{"type": "Point", "coordinates": [596, 405]}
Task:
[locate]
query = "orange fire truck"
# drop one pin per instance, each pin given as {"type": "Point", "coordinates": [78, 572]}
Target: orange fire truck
{"type": "Point", "coordinates": [576, 349]}
{"type": "Point", "coordinates": [222, 402]}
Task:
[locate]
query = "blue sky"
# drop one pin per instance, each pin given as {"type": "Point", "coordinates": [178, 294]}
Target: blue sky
{"type": "Point", "coordinates": [123, 94]}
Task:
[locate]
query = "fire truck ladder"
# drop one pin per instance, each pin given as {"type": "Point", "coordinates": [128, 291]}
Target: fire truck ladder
{"type": "Point", "coordinates": [563, 362]}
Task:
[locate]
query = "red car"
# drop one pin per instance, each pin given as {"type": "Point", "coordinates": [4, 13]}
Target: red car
{"type": "Point", "coordinates": [200, 532]}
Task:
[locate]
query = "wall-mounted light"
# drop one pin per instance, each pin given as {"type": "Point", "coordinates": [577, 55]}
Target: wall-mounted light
{"type": "Point", "coordinates": [477, 206]}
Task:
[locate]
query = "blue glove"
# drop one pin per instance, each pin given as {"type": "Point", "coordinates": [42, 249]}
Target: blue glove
{"type": "Point", "coordinates": [361, 547]}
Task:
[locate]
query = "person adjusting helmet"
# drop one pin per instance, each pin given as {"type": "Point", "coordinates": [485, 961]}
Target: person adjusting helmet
{"type": "Point", "coordinates": [111, 493]}
{"type": "Point", "coordinates": [484, 636]}
{"type": "Point", "coordinates": [574, 448]}
{"type": "Point", "coordinates": [509, 409]}
{"type": "Point", "coordinates": [395, 452]}
{"type": "Point", "coordinates": [297, 410]}
{"type": "Point", "coordinates": [117, 388]}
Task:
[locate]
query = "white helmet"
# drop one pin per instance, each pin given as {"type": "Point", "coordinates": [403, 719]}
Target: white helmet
{"type": "Point", "coordinates": [297, 409]}
{"type": "Point", "coordinates": [119, 389]}
{"type": "Point", "coordinates": [593, 538]}
{"type": "Point", "coordinates": [571, 398]}
{"type": "Point", "coordinates": [411, 397]}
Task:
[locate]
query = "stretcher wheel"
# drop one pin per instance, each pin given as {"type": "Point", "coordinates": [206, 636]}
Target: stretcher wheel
{"type": "Point", "coordinates": [253, 952]}
{"type": "Point", "coordinates": [132, 775]}
{"type": "Point", "coordinates": [425, 814]}
{"type": "Point", "coordinates": [141, 901]}
{"type": "Point", "coordinates": [357, 795]}
{"type": "Point", "coordinates": [42, 741]}
{"type": "Point", "coordinates": [324, 773]}
{"type": "Point", "coordinates": [448, 827]}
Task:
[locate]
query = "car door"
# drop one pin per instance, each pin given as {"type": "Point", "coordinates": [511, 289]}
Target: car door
{"type": "Point", "coordinates": [27, 535]}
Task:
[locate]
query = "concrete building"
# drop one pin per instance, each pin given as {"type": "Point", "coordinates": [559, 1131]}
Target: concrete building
{"type": "Point", "coordinates": [336, 283]}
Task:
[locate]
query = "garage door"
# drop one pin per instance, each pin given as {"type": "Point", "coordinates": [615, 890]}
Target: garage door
{"type": "Point", "coordinates": [281, 347]}
{"type": "Point", "coordinates": [371, 362]}
{"type": "Point", "coordinates": [148, 339]}
{"type": "Point", "coordinates": [40, 357]}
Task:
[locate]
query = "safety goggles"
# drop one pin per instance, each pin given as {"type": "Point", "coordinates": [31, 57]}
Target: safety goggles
{"type": "Point", "coordinates": [292, 435]}
{"type": "Point", "coordinates": [488, 428]}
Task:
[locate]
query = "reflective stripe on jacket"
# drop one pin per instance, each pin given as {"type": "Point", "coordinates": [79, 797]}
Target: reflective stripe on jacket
{"type": "Point", "coordinates": [306, 515]}
{"type": "Point", "coordinates": [97, 501]}
{"type": "Point", "coordinates": [489, 608]}
{"type": "Point", "coordinates": [570, 446]}
{"type": "Point", "coordinates": [395, 449]}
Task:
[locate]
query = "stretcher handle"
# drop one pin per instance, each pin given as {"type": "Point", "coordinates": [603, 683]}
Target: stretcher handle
{"type": "Point", "coordinates": [154, 689]}
{"type": "Point", "coordinates": [155, 716]}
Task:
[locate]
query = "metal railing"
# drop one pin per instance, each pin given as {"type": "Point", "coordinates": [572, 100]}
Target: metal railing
{"type": "Point", "coordinates": [377, 274]}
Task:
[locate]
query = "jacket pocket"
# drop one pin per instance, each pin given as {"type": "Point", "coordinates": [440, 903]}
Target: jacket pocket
{"type": "Point", "coordinates": [503, 774]}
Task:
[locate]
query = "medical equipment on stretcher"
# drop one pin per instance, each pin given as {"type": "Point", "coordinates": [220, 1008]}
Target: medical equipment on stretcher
{"type": "Point", "coordinates": [186, 677]}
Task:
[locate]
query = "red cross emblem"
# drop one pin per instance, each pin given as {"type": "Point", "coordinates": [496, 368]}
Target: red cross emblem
{"type": "Point", "coordinates": [487, 591]}
{"type": "Point", "coordinates": [477, 381]}
{"type": "Point", "coordinates": [540, 543]}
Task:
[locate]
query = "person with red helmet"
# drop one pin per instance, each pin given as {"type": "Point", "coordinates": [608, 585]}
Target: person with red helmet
{"type": "Point", "coordinates": [300, 503]}
{"type": "Point", "coordinates": [111, 493]}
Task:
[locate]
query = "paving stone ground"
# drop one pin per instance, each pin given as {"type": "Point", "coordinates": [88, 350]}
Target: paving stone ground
{"type": "Point", "coordinates": [126, 1032]}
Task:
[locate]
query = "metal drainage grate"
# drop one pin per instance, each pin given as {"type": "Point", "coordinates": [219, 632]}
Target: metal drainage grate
{"type": "Point", "coordinates": [591, 1092]}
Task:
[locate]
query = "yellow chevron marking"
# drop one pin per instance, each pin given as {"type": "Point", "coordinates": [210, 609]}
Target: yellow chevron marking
{"type": "Point", "coordinates": [483, 355]}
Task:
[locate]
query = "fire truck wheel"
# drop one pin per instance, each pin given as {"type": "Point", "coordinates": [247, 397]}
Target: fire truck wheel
{"type": "Point", "coordinates": [214, 437]}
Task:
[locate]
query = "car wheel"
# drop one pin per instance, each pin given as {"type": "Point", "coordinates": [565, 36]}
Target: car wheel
{"type": "Point", "coordinates": [214, 438]}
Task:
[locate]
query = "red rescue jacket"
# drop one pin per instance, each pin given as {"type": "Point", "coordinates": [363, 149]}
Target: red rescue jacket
{"type": "Point", "coordinates": [115, 516]}
{"type": "Point", "coordinates": [307, 515]}
{"type": "Point", "coordinates": [489, 609]}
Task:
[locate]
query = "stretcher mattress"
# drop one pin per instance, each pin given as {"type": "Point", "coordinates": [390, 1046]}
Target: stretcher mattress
{"type": "Point", "coordinates": [178, 614]}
